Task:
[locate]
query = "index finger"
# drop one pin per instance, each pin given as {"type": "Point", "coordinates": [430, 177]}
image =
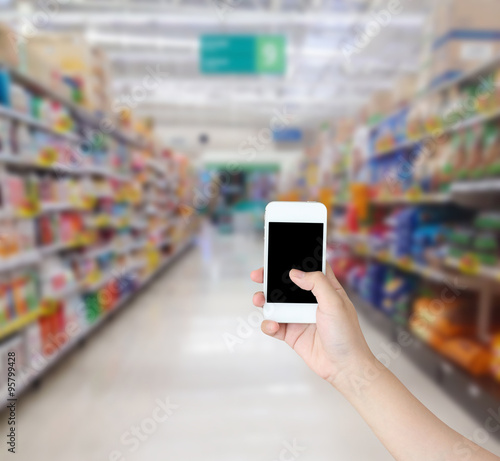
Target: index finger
{"type": "Point", "coordinates": [257, 275]}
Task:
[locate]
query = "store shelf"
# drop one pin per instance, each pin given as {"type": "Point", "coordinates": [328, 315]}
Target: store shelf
{"type": "Point", "coordinates": [132, 246]}
{"type": "Point", "coordinates": [37, 124]}
{"type": "Point", "coordinates": [105, 171]}
{"type": "Point", "coordinates": [61, 206]}
{"type": "Point", "coordinates": [164, 242]}
{"type": "Point", "coordinates": [472, 121]}
{"type": "Point", "coordinates": [398, 147]}
{"type": "Point", "coordinates": [65, 293]}
{"type": "Point", "coordinates": [491, 273]}
{"type": "Point", "coordinates": [156, 166]}
{"type": "Point", "coordinates": [471, 187]}
{"type": "Point", "coordinates": [423, 199]}
{"type": "Point", "coordinates": [95, 252]}
{"type": "Point", "coordinates": [83, 115]}
{"type": "Point", "coordinates": [91, 287]}
{"type": "Point", "coordinates": [359, 245]}
{"type": "Point", "coordinates": [57, 247]}
{"type": "Point", "coordinates": [487, 67]}
{"type": "Point", "coordinates": [472, 75]}
{"type": "Point", "coordinates": [19, 324]}
{"type": "Point", "coordinates": [24, 259]}
{"type": "Point", "coordinates": [475, 394]}
{"type": "Point", "coordinates": [57, 168]}
{"type": "Point", "coordinates": [51, 361]}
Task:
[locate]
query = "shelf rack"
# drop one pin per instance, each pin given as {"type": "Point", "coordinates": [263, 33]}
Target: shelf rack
{"type": "Point", "coordinates": [484, 280]}
{"type": "Point", "coordinates": [78, 112]}
{"type": "Point", "coordinates": [458, 80]}
{"type": "Point", "coordinates": [476, 120]}
{"type": "Point", "coordinates": [28, 380]}
{"type": "Point", "coordinates": [476, 395]}
{"type": "Point", "coordinates": [85, 122]}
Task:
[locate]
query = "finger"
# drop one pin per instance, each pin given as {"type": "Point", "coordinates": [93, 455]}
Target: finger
{"type": "Point", "coordinates": [316, 282]}
{"type": "Point", "coordinates": [330, 275]}
{"type": "Point", "coordinates": [259, 299]}
{"type": "Point", "coordinates": [274, 329]}
{"type": "Point", "coordinates": [257, 275]}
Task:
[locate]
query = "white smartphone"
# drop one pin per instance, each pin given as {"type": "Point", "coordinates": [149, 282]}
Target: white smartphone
{"type": "Point", "coordinates": [295, 238]}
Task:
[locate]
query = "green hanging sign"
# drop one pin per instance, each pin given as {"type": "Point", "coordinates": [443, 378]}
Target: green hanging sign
{"type": "Point", "coordinates": [243, 54]}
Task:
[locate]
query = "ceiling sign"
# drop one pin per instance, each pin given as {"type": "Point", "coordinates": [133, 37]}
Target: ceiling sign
{"type": "Point", "coordinates": [242, 54]}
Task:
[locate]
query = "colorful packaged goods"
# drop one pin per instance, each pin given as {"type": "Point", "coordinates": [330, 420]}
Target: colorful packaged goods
{"type": "Point", "coordinates": [474, 357]}
{"type": "Point", "coordinates": [436, 320]}
{"type": "Point", "coordinates": [396, 296]}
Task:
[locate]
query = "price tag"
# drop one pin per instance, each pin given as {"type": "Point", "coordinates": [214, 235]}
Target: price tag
{"type": "Point", "coordinates": [47, 156]}
{"type": "Point", "coordinates": [469, 264]}
{"type": "Point", "coordinates": [405, 263]}
{"type": "Point", "coordinates": [446, 368]}
{"type": "Point", "coordinates": [102, 220]}
{"type": "Point", "coordinates": [474, 390]}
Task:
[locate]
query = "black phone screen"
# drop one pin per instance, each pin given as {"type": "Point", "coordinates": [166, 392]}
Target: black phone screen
{"type": "Point", "coordinates": [292, 246]}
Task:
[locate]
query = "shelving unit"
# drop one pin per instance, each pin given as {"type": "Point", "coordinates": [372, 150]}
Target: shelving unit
{"type": "Point", "coordinates": [476, 120]}
{"type": "Point", "coordinates": [359, 244]}
{"type": "Point", "coordinates": [39, 125]}
{"type": "Point", "coordinates": [372, 239]}
{"type": "Point", "coordinates": [476, 395]}
{"type": "Point", "coordinates": [28, 380]}
{"type": "Point", "coordinates": [139, 244]}
{"type": "Point", "coordinates": [421, 199]}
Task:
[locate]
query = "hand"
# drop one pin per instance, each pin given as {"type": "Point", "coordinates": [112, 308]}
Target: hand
{"type": "Point", "coordinates": [335, 343]}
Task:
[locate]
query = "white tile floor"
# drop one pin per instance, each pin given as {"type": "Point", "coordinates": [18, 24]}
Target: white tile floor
{"type": "Point", "coordinates": [233, 405]}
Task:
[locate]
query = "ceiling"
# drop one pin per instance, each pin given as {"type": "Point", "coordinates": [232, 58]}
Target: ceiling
{"type": "Point", "coordinates": [322, 80]}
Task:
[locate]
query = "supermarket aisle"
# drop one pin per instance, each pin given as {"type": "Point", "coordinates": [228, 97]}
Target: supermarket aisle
{"type": "Point", "coordinates": [244, 404]}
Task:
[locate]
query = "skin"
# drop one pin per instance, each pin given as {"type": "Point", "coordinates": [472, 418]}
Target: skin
{"type": "Point", "coordinates": [336, 350]}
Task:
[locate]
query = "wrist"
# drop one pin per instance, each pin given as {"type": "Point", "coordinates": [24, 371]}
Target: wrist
{"type": "Point", "coordinates": [354, 379]}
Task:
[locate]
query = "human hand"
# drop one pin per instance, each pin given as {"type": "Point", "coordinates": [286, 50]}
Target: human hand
{"type": "Point", "coordinates": [335, 344]}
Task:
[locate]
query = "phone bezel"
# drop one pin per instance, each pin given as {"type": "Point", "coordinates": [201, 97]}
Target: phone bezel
{"type": "Point", "coordinates": [293, 212]}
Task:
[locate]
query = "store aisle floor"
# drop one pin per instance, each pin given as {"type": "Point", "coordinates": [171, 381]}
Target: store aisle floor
{"type": "Point", "coordinates": [248, 401]}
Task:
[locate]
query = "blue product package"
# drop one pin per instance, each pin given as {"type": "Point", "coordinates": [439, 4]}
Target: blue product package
{"type": "Point", "coordinates": [5, 88]}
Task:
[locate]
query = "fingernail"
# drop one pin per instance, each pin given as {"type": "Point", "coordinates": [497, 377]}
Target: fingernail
{"type": "Point", "coordinates": [297, 274]}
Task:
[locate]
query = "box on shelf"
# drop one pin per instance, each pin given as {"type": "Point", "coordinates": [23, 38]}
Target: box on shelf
{"type": "Point", "coordinates": [69, 54]}
{"type": "Point", "coordinates": [464, 15]}
{"type": "Point", "coordinates": [344, 129]}
{"type": "Point", "coordinates": [405, 88]}
{"type": "Point", "coordinates": [101, 80]}
{"type": "Point", "coordinates": [466, 36]}
{"type": "Point", "coordinates": [380, 104]}
{"type": "Point", "coordinates": [34, 65]}
{"type": "Point", "coordinates": [8, 46]}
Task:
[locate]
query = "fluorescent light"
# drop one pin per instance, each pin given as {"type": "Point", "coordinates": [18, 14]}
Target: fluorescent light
{"type": "Point", "coordinates": [209, 17]}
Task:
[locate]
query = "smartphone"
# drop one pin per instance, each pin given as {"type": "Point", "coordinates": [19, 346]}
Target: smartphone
{"type": "Point", "coordinates": [295, 238]}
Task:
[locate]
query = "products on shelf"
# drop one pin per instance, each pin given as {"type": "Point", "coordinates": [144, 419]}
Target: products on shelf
{"type": "Point", "coordinates": [20, 294]}
{"type": "Point", "coordinates": [76, 236]}
{"type": "Point", "coordinates": [468, 354]}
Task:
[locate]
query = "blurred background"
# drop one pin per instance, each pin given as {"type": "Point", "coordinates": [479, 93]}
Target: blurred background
{"type": "Point", "coordinates": [139, 144]}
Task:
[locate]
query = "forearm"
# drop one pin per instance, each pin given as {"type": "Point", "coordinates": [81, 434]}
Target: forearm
{"type": "Point", "coordinates": [406, 427]}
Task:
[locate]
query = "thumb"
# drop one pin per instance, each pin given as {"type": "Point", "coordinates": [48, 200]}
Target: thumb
{"type": "Point", "coordinates": [317, 283]}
